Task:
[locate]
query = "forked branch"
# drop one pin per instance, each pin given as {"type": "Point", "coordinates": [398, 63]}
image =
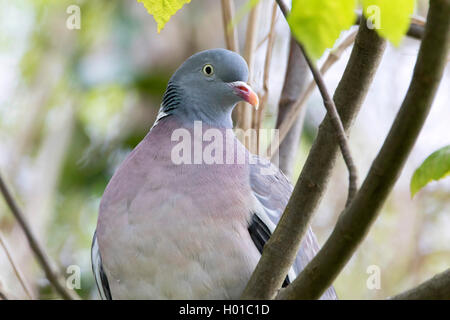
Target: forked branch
{"type": "Point", "coordinates": [355, 221]}
{"type": "Point", "coordinates": [282, 247]}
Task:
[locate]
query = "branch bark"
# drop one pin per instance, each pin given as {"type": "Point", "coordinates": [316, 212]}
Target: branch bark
{"type": "Point", "coordinates": [42, 258]}
{"type": "Point", "coordinates": [282, 247]}
{"type": "Point", "coordinates": [355, 221]}
{"type": "Point", "coordinates": [436, 288]}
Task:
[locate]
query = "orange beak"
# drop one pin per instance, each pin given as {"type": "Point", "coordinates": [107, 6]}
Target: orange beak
{"type": "Point", "coordinates": [245, 92]}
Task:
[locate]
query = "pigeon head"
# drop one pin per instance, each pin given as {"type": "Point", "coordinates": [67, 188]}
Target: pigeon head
{"type": "Point", "coordinates": [207, 86]}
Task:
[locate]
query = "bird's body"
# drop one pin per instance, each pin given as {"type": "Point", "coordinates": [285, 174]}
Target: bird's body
{"type": "Point", "coordinates": [168, 233]}
{"type": "Point", "coordinates": [169, 230]}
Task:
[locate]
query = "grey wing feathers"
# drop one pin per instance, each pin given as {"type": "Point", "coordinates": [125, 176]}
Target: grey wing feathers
{"type": "Point", "coordinates": [99, 275]}
{"type": "Point", "coordinates": [272, 189]}
{"type": "Point", "coordinates": [260, 234]}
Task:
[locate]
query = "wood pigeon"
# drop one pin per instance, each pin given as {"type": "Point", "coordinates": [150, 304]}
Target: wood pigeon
{"type": "Point", "coordinates": [187, 214]}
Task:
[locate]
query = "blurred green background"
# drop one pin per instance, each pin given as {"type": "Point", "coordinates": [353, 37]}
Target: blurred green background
{"type": "Point", "coordinates": [74, 103]}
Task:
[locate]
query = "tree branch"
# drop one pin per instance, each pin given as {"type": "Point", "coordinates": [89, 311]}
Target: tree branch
{"type": "Point", "coordinates": [42, 258]}
{"type": "Point", "coordinates": [436, 288]}
{"type": "Point", "coordinates": [334, 117]}
{"type": "Point", "coordinates": [349, 95]}
{"type": "Point", "coordinates": [355, 221]}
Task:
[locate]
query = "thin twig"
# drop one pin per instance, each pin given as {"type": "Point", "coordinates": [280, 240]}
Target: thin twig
{"type": "Point", "coordinates": [42, 258]}
{"type": "Point", "coordinates": [245, 111]}
{"type": "Point", "coordinates": [356, 220]}
{"type": "Point", "coordinates": [266, 37]}
{"type": "Point", "coordinates": [289, 120]}
{"type": "Point", "coordinates": [16, 269]}
{"type": "Point", "coordinates": [231, 37]}
{"type": "Point", "coordinates": [334, 117]}
{"type": "Point", "coordinates": [258, 113]}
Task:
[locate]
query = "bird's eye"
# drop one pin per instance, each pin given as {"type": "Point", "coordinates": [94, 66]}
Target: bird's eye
{"type": "Point", "coordinates": [208, 70]}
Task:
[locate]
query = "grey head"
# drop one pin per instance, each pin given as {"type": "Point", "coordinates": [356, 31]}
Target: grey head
{"type": "Point", "coordinates": [207, 86]}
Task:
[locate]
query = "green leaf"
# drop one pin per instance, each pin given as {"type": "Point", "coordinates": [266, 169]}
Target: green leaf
{"type": "Point", "coordinates": [390, 17]}
{"type": "Point", "coordinates": [318, 23]}
{"type": "Point", "coordinates": [162, 10]}
{"type": "Point", "coordinates": [435, 167]}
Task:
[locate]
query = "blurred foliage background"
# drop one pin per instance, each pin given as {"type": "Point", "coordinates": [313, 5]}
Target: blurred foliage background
{"type": "Point", "coordinates": [74, 103]}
